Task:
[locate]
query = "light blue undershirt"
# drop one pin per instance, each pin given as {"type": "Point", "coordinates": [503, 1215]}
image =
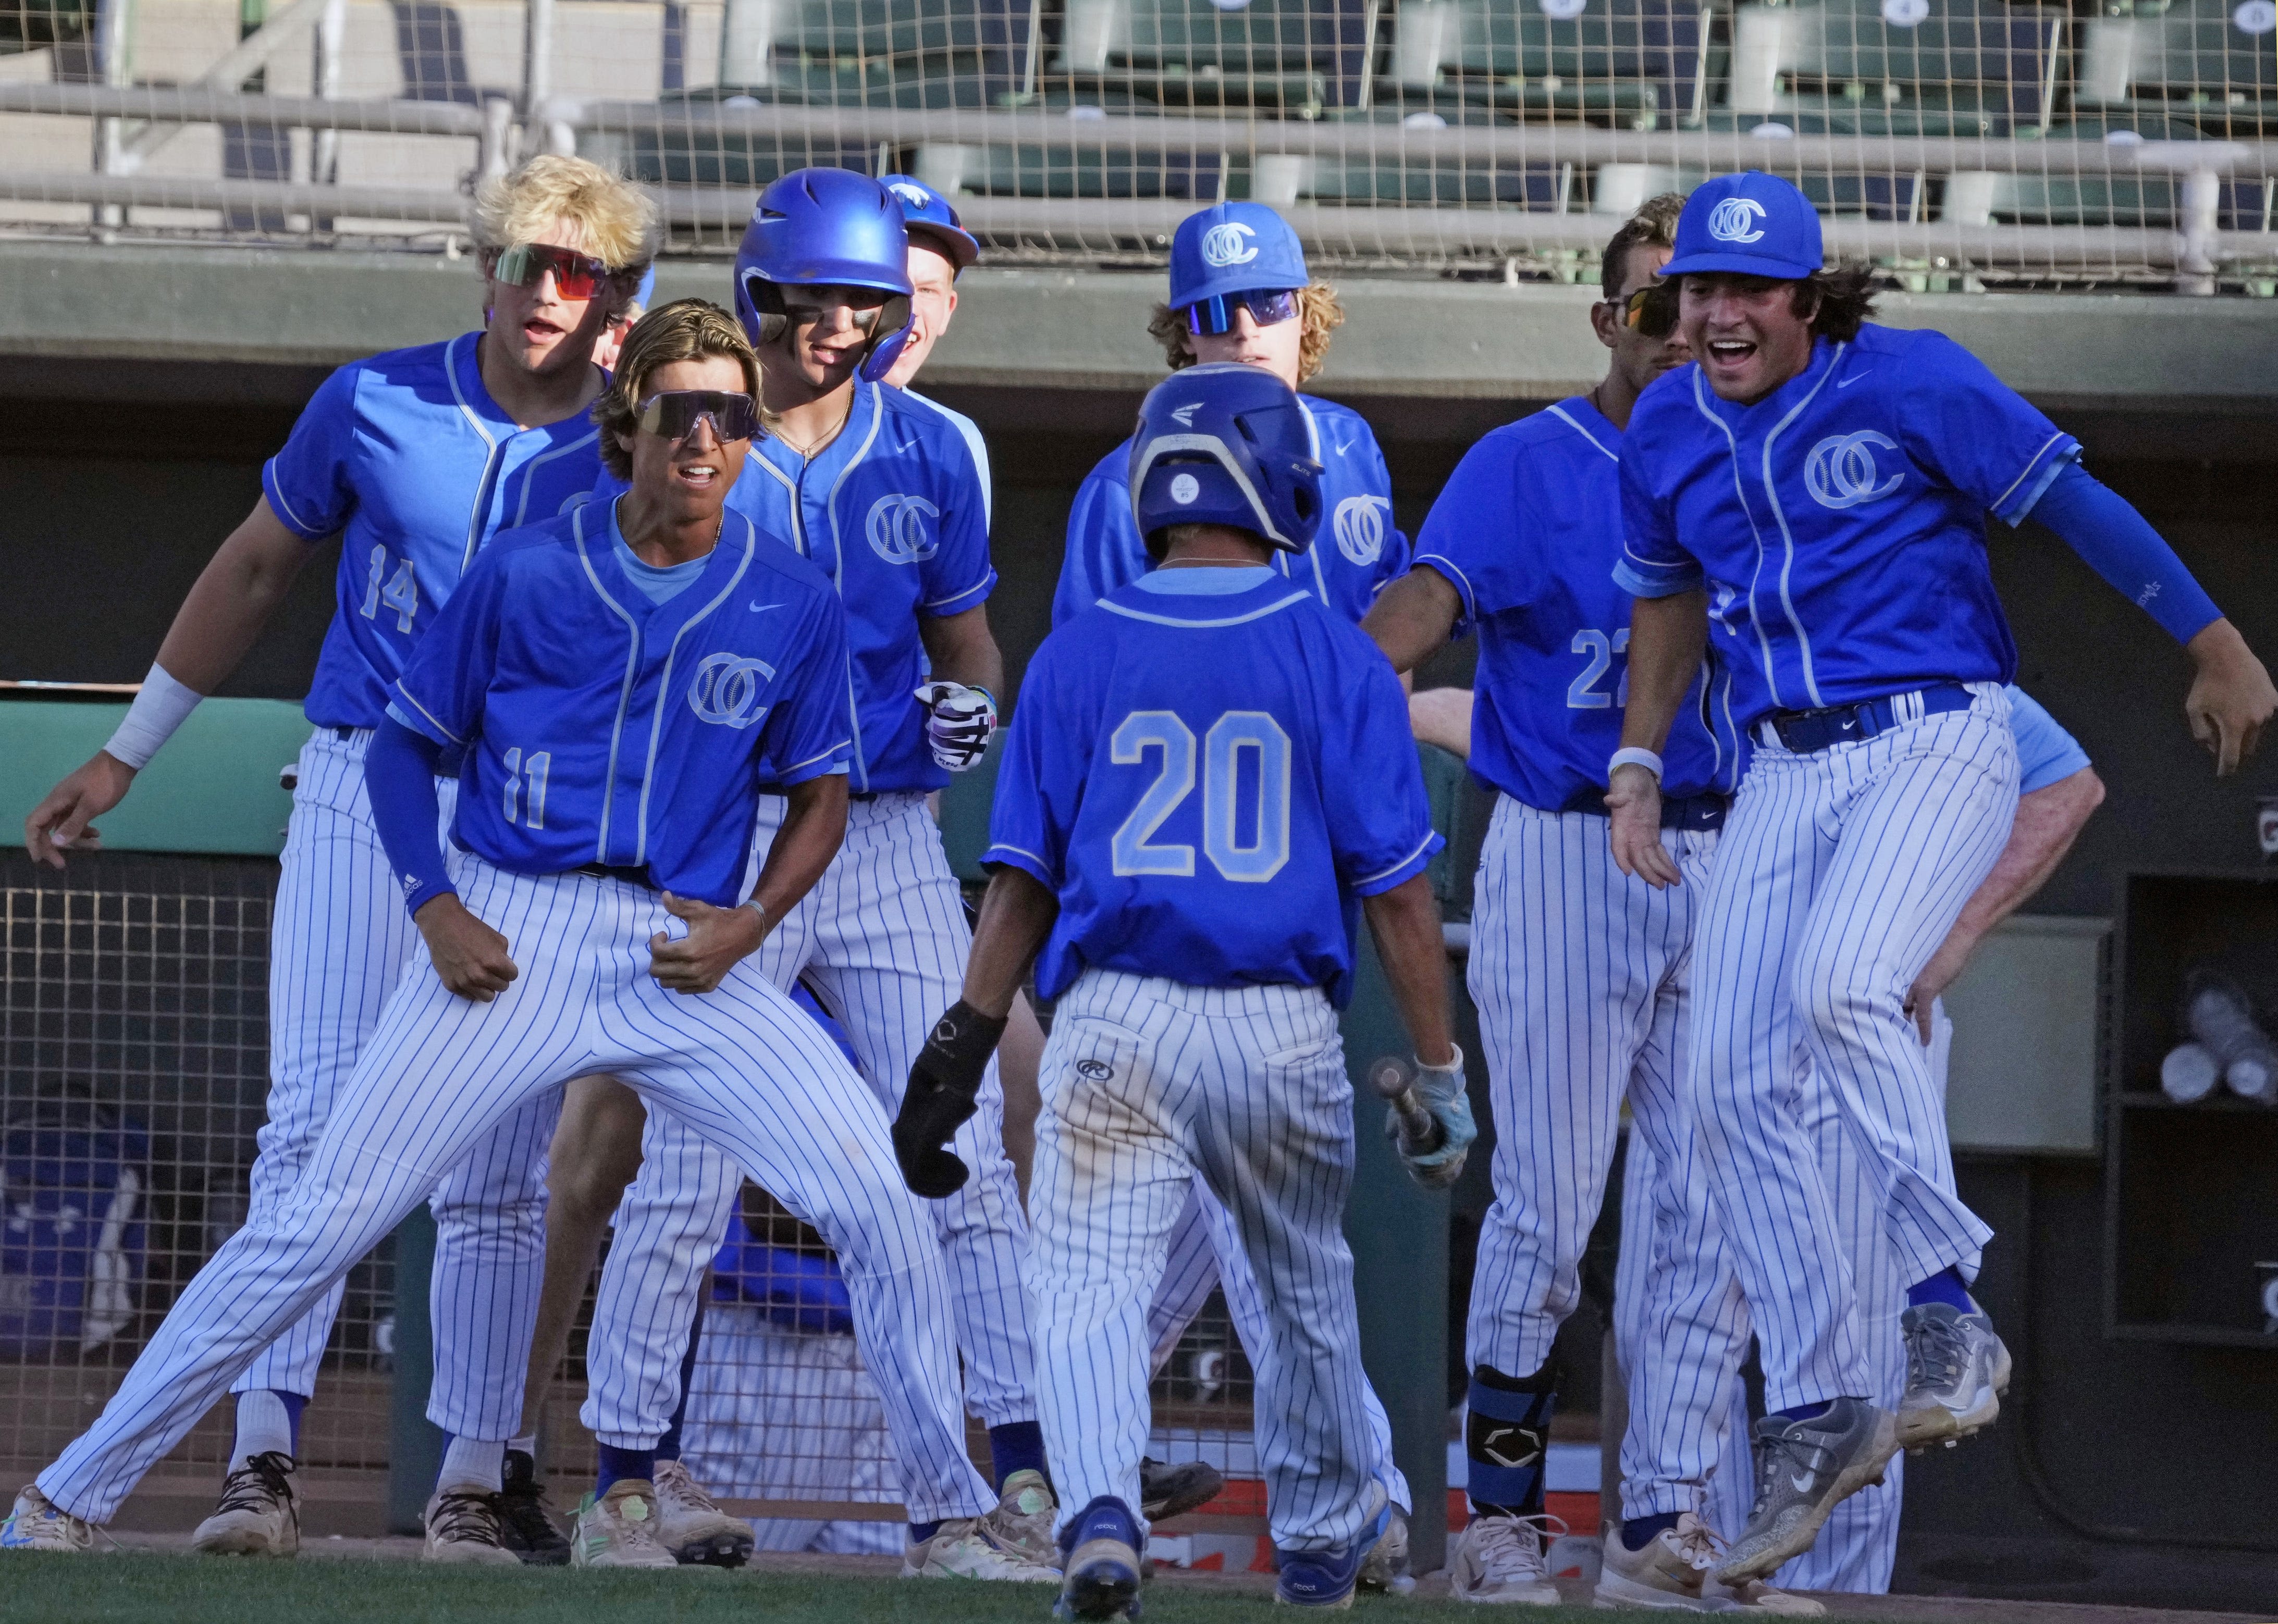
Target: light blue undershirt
{"type": "Point", "coordinates": [660, 584]}
{"type": "Point", "coordinates": [1205, 580]}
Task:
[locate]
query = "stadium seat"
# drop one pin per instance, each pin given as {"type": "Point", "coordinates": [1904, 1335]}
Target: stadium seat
{"type": "Point", "coordinates": [1634, 64]}
{"type": "Point", "coordinates": [2004, 64]}
{"type": "Point", "coordinates": [2147, 199]}
{"type": "Point", "coordinates": [1298, 55]}
{"type": "Point", "coordinates": [877, 53]}
{"type": "Point", "coordinates": [742, 159]}
{"type": "Point", "coordinates": [2214, 62]}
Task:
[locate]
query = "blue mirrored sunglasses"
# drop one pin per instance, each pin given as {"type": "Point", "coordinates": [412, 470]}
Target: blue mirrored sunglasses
{"type": "Point", "coordinates": [1266, 307]}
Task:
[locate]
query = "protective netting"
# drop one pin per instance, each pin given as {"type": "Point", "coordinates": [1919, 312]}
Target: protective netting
{"type": "Point", "coordinates": [1948, 139]}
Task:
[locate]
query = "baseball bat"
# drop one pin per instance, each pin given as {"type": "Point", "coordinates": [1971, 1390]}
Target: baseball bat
{"type": "Point", "coordinates": [1420, 1131]}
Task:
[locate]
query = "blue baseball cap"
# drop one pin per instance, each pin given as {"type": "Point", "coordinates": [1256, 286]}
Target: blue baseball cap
{"type": "Point", "coordinates": [928, 218]}
{"type": "Point", "coordinates": [1753, 224]}
{"type": "Point", "coordinates": [1231, 248]}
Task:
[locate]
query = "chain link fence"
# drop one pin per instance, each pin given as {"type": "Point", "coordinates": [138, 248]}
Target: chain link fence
{"type": "Point", "coordinates": [1952, 140]}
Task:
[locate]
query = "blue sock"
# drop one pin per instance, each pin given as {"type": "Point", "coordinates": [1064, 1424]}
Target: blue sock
{"type": "Point", "coordinates": [1946, 1286]}
{"type": "Point", "coordinates": [1106, 1518]}
{"type": "Point", "coordinates": [1806, 1411]}
{"type": "Point", "coordinates": [616, 1463]}
{"type": "Point", "coordinates": [1639, 1532]}
{"type": "Point", "coordinates": [668, 1448]}
{"type": "Point", "coordinates": [1016, 1447]}
{"type": "Point", "coordinates": [921, 1532]}
{"type": "Point", "coordinates": [1507, 1440]}
{"type": "Point", "coordinates": [293, 1403]}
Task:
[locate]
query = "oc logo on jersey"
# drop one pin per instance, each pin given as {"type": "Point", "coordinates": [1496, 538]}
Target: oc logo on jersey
{"type": "Point", "coordinates": [1359, 527]}
{"type": "Point", "coordinates": [1841, 471]}
{"type": "Point", "coordinates": [726, 690]}
{"type": "Point", "coordinates": [901, 530]}
{"type": "Point", "coordinates": [1734, 220]}
{"type": "Point", "coordinates": [1228, 245]}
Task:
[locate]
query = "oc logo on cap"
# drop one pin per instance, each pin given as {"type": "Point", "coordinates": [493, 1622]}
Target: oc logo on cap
{"type": "Point", "coordinates": [899, 529]}
{"type": "Point", "coordinates": [1228, 244]}
{"type": "Point", "coordinates": [1734, 220]}
{"type": "Point", "coordinates": [726, 690]}
{"type": "Point", "coordinates": [1841, 473]}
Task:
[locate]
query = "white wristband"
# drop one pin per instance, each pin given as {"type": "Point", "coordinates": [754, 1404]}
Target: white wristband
{"type": "Point", "coordinates": [1633, 755]}
{"type": "Point", "coordinates": [163, 706]}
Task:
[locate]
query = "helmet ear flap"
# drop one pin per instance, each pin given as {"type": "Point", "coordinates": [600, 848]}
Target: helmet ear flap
{"type": "Point", "coordinates": [766, 304]}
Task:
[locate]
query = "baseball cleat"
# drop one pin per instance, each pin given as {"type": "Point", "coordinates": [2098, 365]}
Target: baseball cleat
{"type": "Point", "coordinates": [690, 1525]}
{"type": "Point", "coordinates": [1102, 1548]}
{"type": "Point", "coordinates": [1324, 1579]}
{"type": "Point", "coordinates": [1499, 1560]}
{"type": "Point", "coordinates": [961, 1548]}
{"type": "Point", "coordinates": [1803, 1469]}
{"type": "Point", "coordinates": [526, 1525]}
{"type": "Point", "coordinates": [1957, 1370]}
{"type": "Point", "coordinates": [37, 1524]}
{"type": "Point", "coordinates": [619, 1529]}
{"type": "Point", "coordinates": [463, 1531]}
{"type": "Point", "coordinates": [1385, 1567]}
{"type": "Point", "coordinates": [1674, 1573]}
{"type": "Point", "coordinates": [1173, 1491]}
{"type": "Point", "coordinates": [259, 1513]}
{"type": "Point", "coordinates": [1755, 1596]}
{"type": "Point", "coordinates": [1024, 1520]}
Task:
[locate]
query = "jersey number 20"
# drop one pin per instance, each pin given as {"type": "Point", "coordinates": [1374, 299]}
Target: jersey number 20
{"type": "Point", "coordinates": [1231, 737]}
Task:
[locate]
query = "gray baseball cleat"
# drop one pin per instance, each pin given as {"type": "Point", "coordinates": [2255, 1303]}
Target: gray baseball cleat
{"type": "Point", "coordinates": [1167, 1492]}
{"type": "Point", "coordinates": [1957, 1370]}
{"type": "Point", "coordinates": [1804, 1468]}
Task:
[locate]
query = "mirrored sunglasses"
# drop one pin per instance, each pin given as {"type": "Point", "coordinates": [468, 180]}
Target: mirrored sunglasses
{"type": "Point", "coordinates": [1651, 311]}
{"type": "Point", "coordinates": [673, 414]}
{"type": "Point", "coordinates": [577, 276]}
{"type": "Point", "coordinates": [1266, 307]}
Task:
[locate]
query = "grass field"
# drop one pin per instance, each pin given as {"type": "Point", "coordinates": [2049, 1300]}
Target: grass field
{"type": "Point", "coordinates": [151, 1589]}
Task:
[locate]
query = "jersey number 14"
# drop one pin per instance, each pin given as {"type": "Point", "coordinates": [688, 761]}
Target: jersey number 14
{"type": "Point", "coordinates": [1231, 737]}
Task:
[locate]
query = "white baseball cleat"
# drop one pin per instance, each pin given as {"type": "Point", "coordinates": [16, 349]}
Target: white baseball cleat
{"type": "Point", "coordinates": [259, 1513]}
{"type": "Point", "coordinates": [1804, 1469]}
{"type": "Point", "coordinates": [1499, 1560]}
{"type": "Point", "coordinates": [1957, 1370]}
{"type": "Point", "coordinates": [1024, 1523]}
{"type": "Point", "coordinates": [619, 1529]}
{"type": "Point", "coordinates": [463, 1529]}
{"type": "Point", "coordinates": [961, 1548]}
{"type": "Point", "coordinates": [1675, 1573]}
{"type": "Point", "coordinates": [690, 1523]}
{"type": "Point", "coordinates": [37, 1524]}
{"type": "Point", "coordinates": [1385, 1567]}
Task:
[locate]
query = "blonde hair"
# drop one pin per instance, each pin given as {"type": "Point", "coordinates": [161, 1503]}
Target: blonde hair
{"type": "Point", "coordinates": [684, 330]}
{"type": "Point", "coordinates": [619, 220]}
{"type": "Point", "coordinates": [1316, 307]}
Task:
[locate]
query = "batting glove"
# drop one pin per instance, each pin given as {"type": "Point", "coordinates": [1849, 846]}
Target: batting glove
{"type": "Point", "coordinates": [960, 723]}
{"type": "Point", "coordinates": [1442, 1090]}
{"type": "Point", "coordinates": [944, 1090]}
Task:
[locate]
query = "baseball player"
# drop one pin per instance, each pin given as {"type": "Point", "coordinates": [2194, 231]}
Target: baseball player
{"type": "Point", "coordinates": [416, 458]}
{"type": "Point", "coordinates": [618, 705]}
{"type": "Point", "coordinates": [2057, 790]}
{"type": "Point", "coordinates": [884, 492]}
{"type": "Point", "coordinates": [1579, 970]}
{"type": "Point", "coordinates": [1816, 489]}
{"type": "Point", "coordinates": [1209, 771]}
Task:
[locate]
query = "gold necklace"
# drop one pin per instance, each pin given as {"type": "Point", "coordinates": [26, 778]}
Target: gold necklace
{"type": "Point", "coordinates": [809, 452]}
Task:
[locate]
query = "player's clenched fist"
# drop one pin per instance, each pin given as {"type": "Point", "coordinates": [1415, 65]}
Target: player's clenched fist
{"type": "Point", "coordinates": [960, 723]}
{"type": "Point", "coordinates": [471, 958]}
{"type": "Point", "coordinates": [944, 1090]}
{"type": "Point", "coordinates": [716, 938]}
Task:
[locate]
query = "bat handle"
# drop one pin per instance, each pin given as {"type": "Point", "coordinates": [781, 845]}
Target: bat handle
{"type": "Point", "coordinates": [1420, 1131]}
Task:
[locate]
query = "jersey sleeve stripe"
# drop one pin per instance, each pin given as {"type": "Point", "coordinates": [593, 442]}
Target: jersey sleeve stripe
{"type": "Point", "coordinates": [1665, 581]}
{"type": "Point", "coordinates": [449, 737]}
{"type": "Point", "coordinates": [978, 590]}
{"type": "Point", "coordinates": [796, 773]}
{"type": "Point", "coordinates": [284, 509]}
{"type": "Point", "coordinates": [1028, 862]}
{"type": "Point", "coordinates": [1384, 879]}
{"type": "Point", "coordinates": [1441, 564]}
{"type": "Point", "coordinates": [2050, 466]}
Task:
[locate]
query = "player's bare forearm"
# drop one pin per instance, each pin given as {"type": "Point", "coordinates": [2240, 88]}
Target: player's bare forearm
{"type": "Point", "coordinates": [1668, 636]}
{"type": "Point", "coordinates": [814, 826]}
{"type": "Point", "coordinates": [1413, 616]}
{"type": "Point", "coordinates": [473, 960]}
{"type": "Point", "coordinates": [232, 600]}
{"type": "Point", "coordinates": [2231, 697]}
{"type": "Point", "coordinates": [961, 648]}
{"type": "Point", "coordinates": [1017, 913]}
{"type": "Point", "coordinates": [1405, 922]}
{"type": "Point", "coordinates": [2048, 821]}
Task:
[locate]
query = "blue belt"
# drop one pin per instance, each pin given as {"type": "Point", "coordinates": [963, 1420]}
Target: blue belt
{"type": "Point", "coordinates": [1703, 812]}
{"type": "Point", "coordinates": [1804, 732]}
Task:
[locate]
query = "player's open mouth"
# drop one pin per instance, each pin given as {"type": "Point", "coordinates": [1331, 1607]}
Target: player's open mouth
{"type": "Point", "coordinates": [538, 331]}
{"type": "Point", "coordinates": [1731, 353]}
{"type": "Point", "coordinates": [700, 476]}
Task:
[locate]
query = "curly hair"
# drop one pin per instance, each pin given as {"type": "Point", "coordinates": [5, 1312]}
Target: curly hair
{"type": "Point", "coordinates": [684, 330]}
{"type": "Point", "coordinates": [1653, 225]}
{"type": "Point", "coordinates": [1316, 307]}
{"type": "Point", "coordinates": [1836, 302]}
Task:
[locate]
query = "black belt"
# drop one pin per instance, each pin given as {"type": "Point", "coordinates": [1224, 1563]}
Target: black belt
{"type": "Point", "coordinates": [1701, 812]}
{"type": "Point", "coordinates": [1803, 732]}
{"type": "Point", "coordinates": [637, 874]}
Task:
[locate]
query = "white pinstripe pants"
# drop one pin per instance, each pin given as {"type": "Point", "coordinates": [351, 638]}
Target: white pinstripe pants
{"type": "Point", "coordinates": [1146, 1083]}
{"type": "Point", "coordinates": [741, 1065]}
{"type": "Point", "coordinates": [338, 941]}
{"type": "Point", "coordinates": [883, 941]}
{"type": "Point", "coordinates": [1581, 976]}
{"type": "Point", "coordinates": [1840, 873]}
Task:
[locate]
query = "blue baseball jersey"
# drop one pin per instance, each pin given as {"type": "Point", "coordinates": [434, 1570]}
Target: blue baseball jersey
{"type": "Point", "coordinates": [1208, 784]}
{"type": "Point", "coordinates": [2047, 754]}
{"type": "Point", "coordinates": [1355, 554]}
{"type": "Point", "coordinates": [1839, 523]}
{"type": "Point", "coordinates": [600, 727]}
{"type": "Point", "coordinates": [895, 513]}
{"type": "Point", "coordinates": [408, 457]}
{"type": "Point", "coordinates": [1528, 530]}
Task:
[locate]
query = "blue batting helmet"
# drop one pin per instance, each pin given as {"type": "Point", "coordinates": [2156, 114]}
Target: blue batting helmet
{"type": "Point", "coordinates": [1224, 444]}
{"type": "Point", "coordinates": [826, 228]}
{"type": "Point", "coordinates": [930, 220]}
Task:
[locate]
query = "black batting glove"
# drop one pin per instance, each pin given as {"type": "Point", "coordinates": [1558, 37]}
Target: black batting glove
{"type": "Point", "coordinates": [945, 1089]}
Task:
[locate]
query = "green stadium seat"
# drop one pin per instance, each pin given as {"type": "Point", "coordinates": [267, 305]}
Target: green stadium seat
{"type": "Point", "coordinates": [2006, 63]}
{"type": "Point", "coordinates": [2214, 62]}
{"type": "Point", "coordinates": [1298, 55]}
{"type": "Point", "coordinates": [1632, 64]}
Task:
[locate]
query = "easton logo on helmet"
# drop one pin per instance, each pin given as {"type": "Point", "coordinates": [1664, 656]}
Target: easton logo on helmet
{"type": "Point", "coordinates": [1841, 473]}
{"type": "Point", "coordinates": [1228, 244]}
{"type": "Point", "coordinates": [726, 690]}
{"type": "Point", "coordinates": [1734, 220]}
{"type": "Point", "coordinates": [899, 529]}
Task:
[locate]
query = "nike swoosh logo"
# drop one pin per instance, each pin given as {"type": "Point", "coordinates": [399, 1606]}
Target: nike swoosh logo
{"type": "Point", "coordinates": [759, 608]}
{"type": "Point", "coordinates": [1845, 383]}
{"type": "Point", "coordinates": [1802, 1486]}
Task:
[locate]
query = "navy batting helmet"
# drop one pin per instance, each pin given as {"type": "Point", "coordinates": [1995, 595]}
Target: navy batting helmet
{"type": "Point", "coordinates": [826, 228]}
{"type": "Point", "coordinates": [1224, 444]}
